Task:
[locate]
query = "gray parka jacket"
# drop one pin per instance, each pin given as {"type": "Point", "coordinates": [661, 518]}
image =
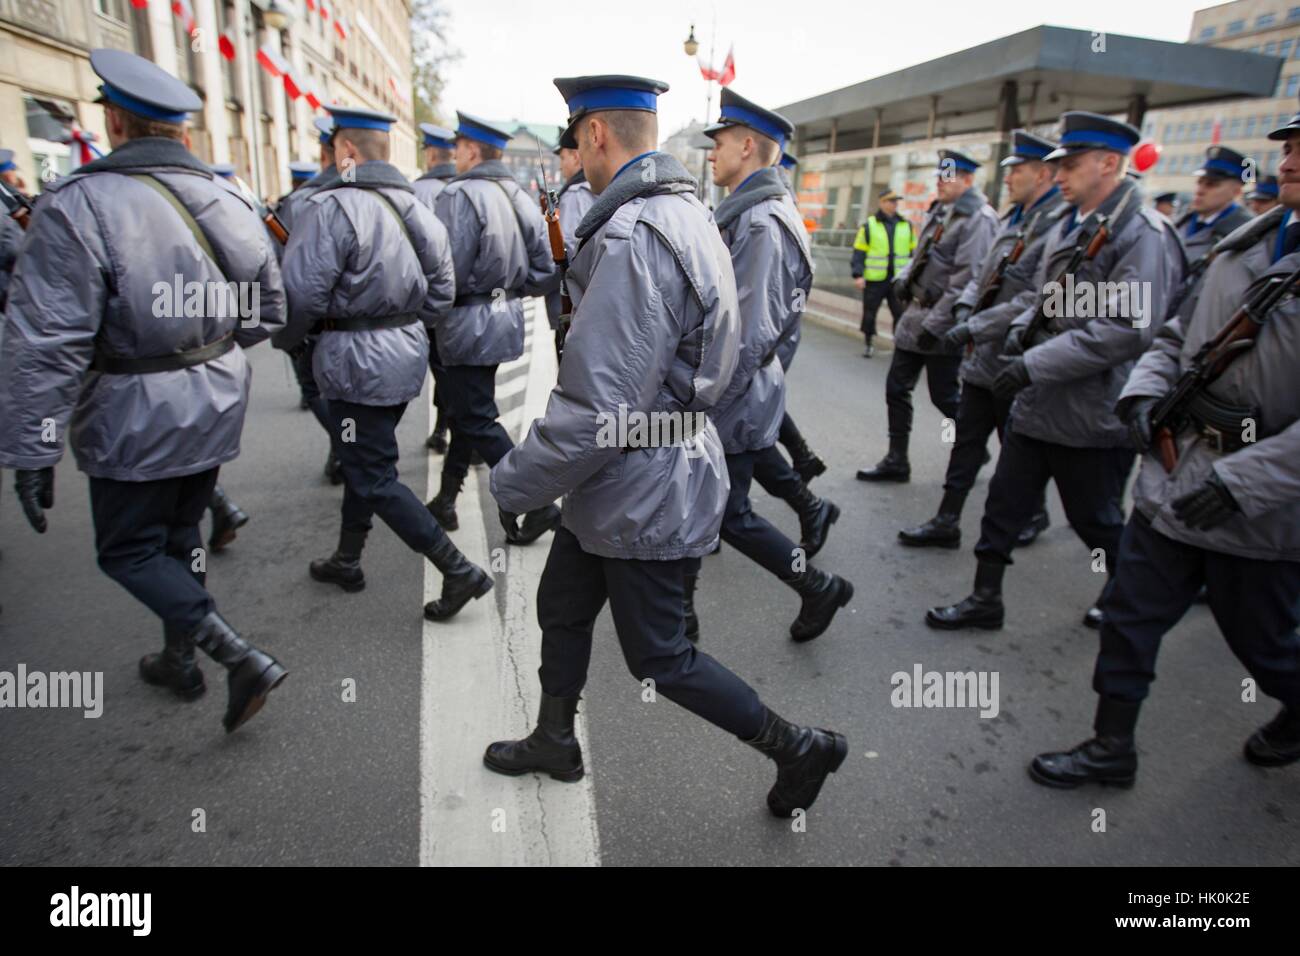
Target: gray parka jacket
{"type": "Point", "coordinates": [106, 263]}
{"type": "Point", "coordinates": [655, 329]}
{"type": "Point", "coordinates": [575, 198]}
{"type": "Point", "coordinates": [773, 267]}
{"type": "Point", "coordinates": [956, 258]}
{"type": "Point", "coordinates": [430, 185]}
{"type": "Point", "coordinates": [501, 252]}
{"type": "Point", "coordinates": [1078, 372]}
{"type": "Point", "coordinates": [1263, 476]}
{"type": "Point", "coordinates": [989, 326]}
{"type": "Point", "coordinates": [349, 257]}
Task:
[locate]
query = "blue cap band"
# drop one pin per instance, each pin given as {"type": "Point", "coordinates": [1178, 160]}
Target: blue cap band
{"type": "Point", "coordinates": [1224, 166]}
{"type": "Point", "coordinates": [139, 107]}
{"type": "Point", "coordinates": [5, 167]}
{"type": "Point", "coordinates": [738, 114]}
{"type": "Point", "coordinates": [966, 166]}
{"type": "Point", "coordinates": [1030, 151]}
{"type": "Point", "coordinates": [1098, 139]}
{"type": "Point", "coordinates": [474, 131]}
{"type": "Point", "coordinates": [327, 139]}
{"type": "Point", "coordinates": [362, 122]}
{"type": "Point", "coordinates": [438, 142]}
{"type": "Point", "coordinates": [613, 98]}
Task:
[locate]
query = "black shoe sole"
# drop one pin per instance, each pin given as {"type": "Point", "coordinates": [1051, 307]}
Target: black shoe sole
{"type": "Point", "coordinates": [845, 597]}
{"type": "Point", "coordinates": [896, 479]}
{"type": "Point", "coordinates": [1259, 761]}
{"type": "Point", "coordinates": [564, 776]}
{"type": "Point", "coordinates": [951, 544]}
{"type": "Point", "coordinates": [478, 592]}
{"type": "Point", "coordinates": [271, 678]}
{"type": "Point", "coordinates": [1120, 783]}
{"type": "Point", "coordinates": [837, 760]}
{"type": "Point", "coordinates": [352, 587]}
{"type": "Point", "coordinates": [941, 625]}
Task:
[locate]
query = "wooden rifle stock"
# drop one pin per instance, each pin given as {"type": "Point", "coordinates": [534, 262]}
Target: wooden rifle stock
{"type": "Point", "coordinates": [274, 224]}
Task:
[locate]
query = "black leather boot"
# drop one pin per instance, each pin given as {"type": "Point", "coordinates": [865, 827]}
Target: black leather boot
{"type": "Point", "coordinates": [175, 667]}
{"type": "Point", "coordinates": [535, 524]}
{"type": "Point", "coordinates": [551, 748]}
{"type": "Point", "coordinates": [1108, 758]}
{"type": "Point", "coordinates": [1093, 618]}
{"type": "Point", "coordinates": [226, 520]}
{"type": "Point", "coordinates": [462, 580]}
{"type": "Point", "coordinates": [941, 531]}
{"type": "Point", "coordinates": [1277, 743]}
{"type": "Point", "coordinates": [250, 674]}
{"type": "Point", "coordinates": [805, 757]}
{"type": "Point", "coordinates": [816, 515]}
{"type": "Point", "coordinates": [443, 505]}
{"type": "Point", "coordinates": [1030, 532]}
{"type": "Point", "coordinates": [804, 461]}
{"type": "Point", "coordinates": [343, 567]}
{"type": "Point", "coordinates": [333, 470]}
{"type": "Point", "coordinates": [893, 467]}
{"type": "Point", "coordinates": [437, 440]}
{"type": "Point", "coordinates": [692, 621]}
{"type": "Point", "coordinates": [823, 595]}
{"type": "Point", "coordinates": [981, 608]}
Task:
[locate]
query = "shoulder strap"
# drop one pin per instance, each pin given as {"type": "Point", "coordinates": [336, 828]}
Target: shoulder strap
{"type": "Point", "coordinates": [388, 204]}
{"type": "Point", "coordinates": [519, 220]}
{"type": "Point", "coordinates": [186, 217]}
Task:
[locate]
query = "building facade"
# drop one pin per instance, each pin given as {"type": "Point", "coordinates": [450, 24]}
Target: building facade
{"type": "Point", "coordinates": [263, 68]}
{"type": "Point", "coordinates": [1267, 27]}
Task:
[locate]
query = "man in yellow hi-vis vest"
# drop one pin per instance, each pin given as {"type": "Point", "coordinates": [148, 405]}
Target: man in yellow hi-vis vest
{"type": "Point", "coordinates": [881, 250]}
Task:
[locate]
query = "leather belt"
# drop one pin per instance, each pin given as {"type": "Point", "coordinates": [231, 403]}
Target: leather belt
{"type": "Point", "coordinates": [368, 323]}
{"type": "Point", "coordinates": [121, 365]}
{"type": "Point", "coordinates": [1219, 424]}
{"type": "Point", "coordinates": [484, 298]}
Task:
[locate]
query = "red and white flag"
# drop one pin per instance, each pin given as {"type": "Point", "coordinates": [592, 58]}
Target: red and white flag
{"type": "Point", "coordinates": [324, 9]}
{"type": "Point", "coordinates": [139, 4]}
{"type": "Point", "coordinates": [226, 44]}
{"type": "Point", "coordinates": [182, 9]}
{"type": "Point", "coordinates": [341, 26]}
{"type": "Point", "coordinates": [291, 86]}
{"type": "Point", "coordinates": [313, 97]}
{"type": "Point", "coordinates": [728, 69]}
{"type": "Point", "coordinates": [272, 62]}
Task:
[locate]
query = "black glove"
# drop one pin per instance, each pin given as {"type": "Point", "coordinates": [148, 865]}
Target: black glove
{"type": "Point", "coordinates": [1014, 344]}
{"type": "Point", "coordinates": [1011, 379]}
{"type": "Point", "coordinates": [957, 337]}
{"type": "Point", "coordinates": [900, 291]}
{"type": "Point", "coordinates": [509, 521]}
{"type": "Point", "coordinates": [1135, 412]}
{"type": "Point", "coordinates": [36, 494]}
{"type": "Point", "coordinates": [961, 312]}
{"type": "Point", "coordinates": [927, 340]}
{"type": "Point", "coordinates": [1208, 506]}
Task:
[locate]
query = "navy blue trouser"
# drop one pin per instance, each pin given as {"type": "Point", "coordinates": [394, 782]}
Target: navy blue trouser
{"type": "Point", "coordinates": [1256, 604]}
{"type": "Point", "coordinates": [1090, 482]}
{"type": "Point", "coordinates": [646, 601]}
{"type": "Point", "coordinates": [435, 368]}
{"type": "Point", "coordinates": [776, 475]}
{"type": "Point", "coordinates": [979, 414]}
{"type": "Point", "coordinates": [941, 375]}
{"type": "Point", "coordinates": [146, 536]}
{"type": "Point", "coordinates": [370, 485]}
{"type": "Point", "coordinates": [745, 530]}
{"type": "Point", "coordinates": [310, 390]}
{"type": "Point", "coordinates": [469, 392]}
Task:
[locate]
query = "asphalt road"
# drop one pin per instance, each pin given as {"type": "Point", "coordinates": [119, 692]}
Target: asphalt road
{"type": "Point", "coordinates": [317, 779]}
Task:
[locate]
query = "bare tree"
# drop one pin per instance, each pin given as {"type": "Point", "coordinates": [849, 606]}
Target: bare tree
{"type": "Point", "coordinates": [431, 54]}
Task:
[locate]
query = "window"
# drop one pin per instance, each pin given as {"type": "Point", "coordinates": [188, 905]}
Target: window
{"type": "Point", "coordinates": [49, 130]}
{"type": "Point", "coordinates": [1236, 26]}
{"type": "Point", "coordinates": [226, 23]}
{"type": "Point", "coordinates": [1234, 127]}
{"type": "Point", "coordinates": [1178, 132]}
{"type": "Point", "coordinates": [1292, 85]}
{"type": "Point", "coordinates": [1264, 20]}
{"type": "Point", "coordinates": [1270, 49]}
{"type": "Point", "coordinates": [1207, 33]}
{"type": "Point", "coordinates": [1293, 13]}
{"type": "Point", "coordinates": [1250, 126]}
{"type": "Point", "coordinates": [113, 9]}
{"type": "Point", "coordinates": [1284, 49]}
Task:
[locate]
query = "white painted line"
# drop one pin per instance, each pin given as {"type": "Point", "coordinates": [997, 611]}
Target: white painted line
{"type": "Point", "coordinates": [479, 684]}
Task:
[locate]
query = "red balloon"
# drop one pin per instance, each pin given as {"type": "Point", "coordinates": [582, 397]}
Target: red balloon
{"type": "Point", "coordinates": [1146, 156]}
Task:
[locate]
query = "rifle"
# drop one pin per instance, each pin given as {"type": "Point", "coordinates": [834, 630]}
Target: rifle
{"type": "Point", "coordinates": [1086, 248]}
{"type": "Point", "coordinates": [551, 213]}
{"type": "Point", "coordinates": [275, 225]}
{"type": "Point", "coordinates": [1193, 275]}
{"type": "Point", "coordinates": [18, 206]}
{"type": "Point", "coordinates": [923, 257]}
{"type": "Point", "coordinates": [1170, 414]}
{"type": "Point", "coordinates": [993, 284]}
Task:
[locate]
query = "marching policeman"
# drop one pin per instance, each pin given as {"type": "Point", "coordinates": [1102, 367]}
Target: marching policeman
{"type": "Point", "coordinates": [773, 269]}
{"type": "Point", "coordinates": [575, 198]}
{"type": "Point", "coordinates": [1036, 204]}
{"type": "Point", "coordinates": [440, 168]}
{"type": "Point", "coordinates": [1263, 196]}
{"type": "Point", "coordinates": [1166, 203]}
{"type": "Point", "coordinates": [1226, 517]}
{"type": "Point", "coordinates": [787, 165]}
{"type": "Point", "coordinates": [499, 246]}
{"type": "Point", "coordinates": [301, 354]}
{"type": "Point", "coordinates": [655, 329]}
{"type": "Point", "coordinates": [1215, 210]}
{"type": "Point", "coordinates": [881, 251]}
{"type": "Point", "coordinates": [11, 233]}
{"type": "Point", "coordinates": [969, 224]}
{"type": "Point", "coordinates": [371, 265]}
{"type": "Point", "coordinates": [1066, 378]}
{"type": "Point", "coordinates": [156, 404]}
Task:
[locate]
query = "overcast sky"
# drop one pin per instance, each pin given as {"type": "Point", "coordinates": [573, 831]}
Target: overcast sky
{"type": "Point", "coordinates": [787, 51]}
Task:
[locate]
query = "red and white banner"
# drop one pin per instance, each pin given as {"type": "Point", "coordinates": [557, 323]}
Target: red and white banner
{"type": "Point", "coordinates": [139, 4]}
{"type": "Point", "coordinates": [723, 76]}
{"type": "Point", "coordinates": [397, 90]}
{"type": "Point", "coordinates": [341, 26]}
{"type": "Point", "coordinates": [226, 44]}
{"type": "Point", "coordinates": [272, 61]}
{"type": "Point", "coordinates": [291, 86]}
{"type": "Point", "coordinates": [182, 10]}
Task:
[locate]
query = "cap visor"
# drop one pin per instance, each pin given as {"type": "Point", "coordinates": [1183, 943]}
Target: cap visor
{"type": "Point", "coordinates": [1013, 161]}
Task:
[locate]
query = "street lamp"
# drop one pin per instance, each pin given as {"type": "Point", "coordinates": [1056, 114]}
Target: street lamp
{"type": "Point", "coordinates": [691, 46]}
{"type": "Point", "coordinates": [277, 14]}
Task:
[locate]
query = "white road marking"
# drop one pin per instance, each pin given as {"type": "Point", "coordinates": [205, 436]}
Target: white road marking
{"type": "Point", "coordinates": [479, 684]}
